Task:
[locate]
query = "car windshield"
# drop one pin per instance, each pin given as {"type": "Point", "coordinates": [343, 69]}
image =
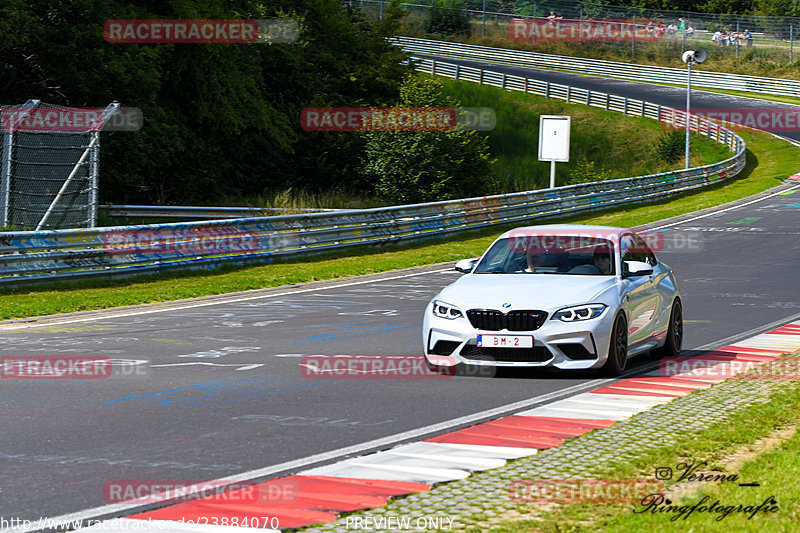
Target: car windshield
{"type": "Point", "coordinates": [549, 254]}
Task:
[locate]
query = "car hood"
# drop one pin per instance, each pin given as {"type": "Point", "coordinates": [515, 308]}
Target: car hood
{"type": "Point", "coordinates": [523, 291]}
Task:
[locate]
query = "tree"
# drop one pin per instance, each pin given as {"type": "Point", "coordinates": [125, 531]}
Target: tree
{"type": "Point", "coordinates": [422, 166]}
{"type": "Point", "coordinates": [448, 17]}
{"type": "Point", "coordinates": [219, 119]}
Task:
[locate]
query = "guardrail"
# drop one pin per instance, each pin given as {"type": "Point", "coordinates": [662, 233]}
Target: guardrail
{"type": "Point", "coordinates": [176, 211]}
{"type": "Point", "coordinates": [33, 256]}
{"type": "Point", "coordinates": [611, 69]}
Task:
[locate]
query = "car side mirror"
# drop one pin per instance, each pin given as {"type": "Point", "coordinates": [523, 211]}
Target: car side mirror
{"type": "Point", "coordinates": [466, 265]}
{"type": "Point", "coordinates": [632, 269]}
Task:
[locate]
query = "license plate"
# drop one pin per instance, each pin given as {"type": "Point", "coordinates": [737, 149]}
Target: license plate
{"type": "Point", "coordinates": [505, 341]}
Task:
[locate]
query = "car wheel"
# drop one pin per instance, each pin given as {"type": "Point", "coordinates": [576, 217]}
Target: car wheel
{"type": "Point", "coordinates": [672, 346]}
{"type": "Point", "coordinates": [617, 348]}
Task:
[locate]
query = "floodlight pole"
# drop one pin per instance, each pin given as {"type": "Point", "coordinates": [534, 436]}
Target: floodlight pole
{"type": "Point", "coordinates": [688, 93]}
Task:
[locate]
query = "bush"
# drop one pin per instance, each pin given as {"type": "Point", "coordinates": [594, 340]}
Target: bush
{"type": "Point", "coordinates": [671, 146]}
{"type": "Point", "coordinates": [585, 172]}
{"type": "Point", "coordinates": [448, 17]}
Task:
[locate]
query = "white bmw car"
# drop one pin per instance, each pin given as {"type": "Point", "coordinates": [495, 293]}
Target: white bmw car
{"type": "Point", "coordinates": [563, 296]}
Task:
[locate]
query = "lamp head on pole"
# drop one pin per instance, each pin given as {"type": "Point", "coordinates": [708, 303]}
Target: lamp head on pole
{"type": "Point", "coordinates": [694, 56]}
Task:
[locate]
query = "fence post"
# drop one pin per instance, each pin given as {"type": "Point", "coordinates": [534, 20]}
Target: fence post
{"type": "Point", "coordinates": [5, 175]}
{"type": "Point", "coordinates": [433, 67]}
{"type": "Point", "coordinates": [633, 40]}
{"type": "Point", "coordinates": [791, 40]}
{"type": "Point", "coordinates": [526, 85]}
{"type": "Point", "coordinates": [483, 20]}
{"type": "Point", "coordinates": [547, 90]}
{"type": "Point", "coordinates": [94, 173]}
{"type": "Point", "coordinates": [480, 78]}
{"type": "Point", "coordinates": [580, 28]}
{"type": "Point", "coordinates": [569, 91]}
{"type": "Point", "coordinates": [588, 97]}
{"type": "Point", "coordinates": [737, 38]}
{"type": "Point", "coordinates": [503, 81]}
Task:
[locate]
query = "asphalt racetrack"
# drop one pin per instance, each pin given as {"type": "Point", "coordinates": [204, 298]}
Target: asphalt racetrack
{"type": "Point", "coordinates": [208, 389]}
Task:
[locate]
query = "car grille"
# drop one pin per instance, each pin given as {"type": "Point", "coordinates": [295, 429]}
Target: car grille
{"type": "Point", "coordinates": [537, 354]}
{"type": "Point", "coordinates": [491, 320]}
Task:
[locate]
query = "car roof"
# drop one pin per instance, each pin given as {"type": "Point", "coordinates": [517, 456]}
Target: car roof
{"type": "Point", "coordinates": [568, 229]}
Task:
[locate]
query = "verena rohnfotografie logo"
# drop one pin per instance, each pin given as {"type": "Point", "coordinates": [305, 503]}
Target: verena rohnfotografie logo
{"type": "Point", "coordinates": [397, 118]}
{"type": "Point", "coordinates": [584, 30]}
{"type": "Point", "coordinates": [69, 119]}
{"type": "Point", "coordinates": [163, 31]}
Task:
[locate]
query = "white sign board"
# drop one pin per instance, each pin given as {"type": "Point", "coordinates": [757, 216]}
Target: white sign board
{"type": "Point", "coordinates": [554, 138]}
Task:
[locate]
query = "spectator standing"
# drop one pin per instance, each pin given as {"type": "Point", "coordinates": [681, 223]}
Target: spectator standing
{"type": "Point", "coordinates": [748, 37]}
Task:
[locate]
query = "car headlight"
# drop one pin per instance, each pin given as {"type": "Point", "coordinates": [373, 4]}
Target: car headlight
{"type": "Point", "coordinates": [580, 312]}
{"type": "Point", "coordinates": [443, 310]}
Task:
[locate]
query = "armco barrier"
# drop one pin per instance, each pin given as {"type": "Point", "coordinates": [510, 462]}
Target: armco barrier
{"type": "Point", "coordinates": [611, 69]}
{"type": "Point", "coordinates": [32, 256]}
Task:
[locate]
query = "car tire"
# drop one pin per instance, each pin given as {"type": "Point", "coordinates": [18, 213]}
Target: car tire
{"type": "Point", "coordinates": [672, 345]}
{"type": "Point", "coordinates": [617, 348]}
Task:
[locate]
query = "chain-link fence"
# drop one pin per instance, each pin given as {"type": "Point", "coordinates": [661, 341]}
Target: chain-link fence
{"type": "Point", "coordinates": [49, 166]}
{"type": "Point", "coordinates": [733, 35]}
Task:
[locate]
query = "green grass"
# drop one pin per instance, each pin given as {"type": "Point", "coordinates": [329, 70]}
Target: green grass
{"type": "Point", "coordinates": [619, 145]}
{"type": "Point", "coordinates": [747, 432]}
{"type": "Point", "coordinates": [769, 162]}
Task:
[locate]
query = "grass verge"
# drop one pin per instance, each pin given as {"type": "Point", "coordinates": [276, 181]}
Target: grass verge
{"type": "Point", "coordinates": [760, 443]}
{"type": "Point", "coordinates": [616, 145]}
{"type": "Point", "coordinates": [769, 162]}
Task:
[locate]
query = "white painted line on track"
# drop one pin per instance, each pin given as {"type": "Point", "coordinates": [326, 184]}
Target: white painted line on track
{"type": "Point", "coordinates": [726, 209]}
{"type": "Point", "coordinates": [12, 327]}
{"type": "Point", "coordinates": [733, 339]}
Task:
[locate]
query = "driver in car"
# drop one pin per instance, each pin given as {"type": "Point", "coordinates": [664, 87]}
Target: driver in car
{"type": "Point", "coordinates": [602, 259]}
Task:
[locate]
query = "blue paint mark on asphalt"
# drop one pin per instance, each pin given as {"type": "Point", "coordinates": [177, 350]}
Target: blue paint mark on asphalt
{"type": "Point", "coordinates": [349, 330]}
{"type": "Point", "coordinates": [793, 205]}
{"type": "Point", "coordinates": [220, 392]}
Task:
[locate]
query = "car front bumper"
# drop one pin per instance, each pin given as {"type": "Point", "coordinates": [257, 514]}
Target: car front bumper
{"type": "Point", "coordinates": [564, 345]}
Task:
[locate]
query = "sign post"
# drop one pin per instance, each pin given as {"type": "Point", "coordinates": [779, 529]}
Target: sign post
{"type": "Point", "coordinates": [554, 141]}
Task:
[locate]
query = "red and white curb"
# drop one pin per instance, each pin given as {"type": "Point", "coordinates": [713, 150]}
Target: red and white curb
{"type": "Point", "coordinates": [369, 481]}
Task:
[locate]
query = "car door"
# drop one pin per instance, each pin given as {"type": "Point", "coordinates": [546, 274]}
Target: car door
{"type": "Point", "coordinates": [640, 292]}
